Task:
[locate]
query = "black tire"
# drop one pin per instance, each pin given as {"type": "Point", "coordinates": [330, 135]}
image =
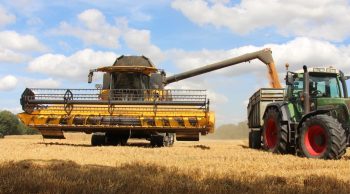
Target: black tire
{"type": "Point", "coordinates": [275, 135]}
{"type": "Point", "coordinates": [169, 139]}
{"type": "Point", "coordinates": [98, 139]}
{"type": "Point", "coordinates": [255, 139]}
{"type": "Point", "coordinates": [162, 140]}
{"type": "Point", "coordinates": [117, 138]}
{"type": "Point", "coordinates": [322, 136]}
{"type": "Point", "coordinates": [124, 141]}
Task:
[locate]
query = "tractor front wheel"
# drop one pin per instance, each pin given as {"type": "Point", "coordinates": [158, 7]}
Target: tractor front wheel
{"type": "Point", "coordinates": [322, 136]}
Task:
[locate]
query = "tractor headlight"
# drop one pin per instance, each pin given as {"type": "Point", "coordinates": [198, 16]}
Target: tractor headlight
{"type": "Point", "coordinates": [319, 70]}
{"type": "Point", "coordinates": [331, 70]}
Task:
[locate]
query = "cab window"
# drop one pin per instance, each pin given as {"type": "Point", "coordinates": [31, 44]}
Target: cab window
{"type": "Point", "coordinates": [324, 86]}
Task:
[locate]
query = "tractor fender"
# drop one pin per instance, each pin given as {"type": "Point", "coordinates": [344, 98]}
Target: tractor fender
{"type": "Point", "coordinates": [310, 114]}
{"type": "Point", "coordinates": [282, 108]}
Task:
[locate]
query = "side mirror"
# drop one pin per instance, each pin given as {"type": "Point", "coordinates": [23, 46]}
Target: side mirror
{"type": "Point", "coordinates": [347, 77]}
{"type": "Point", "coordinates": [98, 86]}
{"type": "Point", "coordinates": [90, 77]}
{"type": "Point", "coordinates": [289, 78]}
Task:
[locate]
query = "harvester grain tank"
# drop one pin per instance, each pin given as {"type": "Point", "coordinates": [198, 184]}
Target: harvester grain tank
{"type": "Point", "coordinates": [309, 118]}
{"type": "Point", "coordinates": [131, 103]}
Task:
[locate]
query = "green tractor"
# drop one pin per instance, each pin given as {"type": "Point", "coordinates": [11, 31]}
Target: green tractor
{"type": "Point", "coordinates": [310, 117]}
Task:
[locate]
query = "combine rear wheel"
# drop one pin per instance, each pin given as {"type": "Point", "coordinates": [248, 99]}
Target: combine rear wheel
{"type": "Point", "coordinates": [162, 140]}
{"type": "Point", "coordinates": [255, 139]}
{"type": "Point", "coordinates": [322, 136]}
{"type": "Point", "coordinates": [98, 139]}
{"type": "Point", "coordinates": [274, 133]}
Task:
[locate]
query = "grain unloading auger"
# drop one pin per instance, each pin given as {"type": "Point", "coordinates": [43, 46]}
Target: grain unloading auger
{"type": "Point", "coordinates": [131, 103]}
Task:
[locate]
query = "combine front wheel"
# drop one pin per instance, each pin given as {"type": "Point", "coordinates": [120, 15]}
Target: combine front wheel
{"type": "Point", "coordinates": [274, 133]}
{"type": "Point", "coordinates": [322, 136]}
{"type": "Point", "coordinates": [162, 140]}
{"type": "Point", "coordinates": [98, 139]}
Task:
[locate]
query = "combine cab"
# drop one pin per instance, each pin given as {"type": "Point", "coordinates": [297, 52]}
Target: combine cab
{"type": "Point", "coordinates": [131, 103]}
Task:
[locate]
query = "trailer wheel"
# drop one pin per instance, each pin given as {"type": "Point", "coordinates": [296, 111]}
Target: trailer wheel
{"type": "Point", "coordinates": [322, 136]}
{"type": "Point", "coordinates": [98, 139]}
{"type": "Point", "coordinates": [255, 139]}
{"type": "Point", "coordinates": [275, 135]}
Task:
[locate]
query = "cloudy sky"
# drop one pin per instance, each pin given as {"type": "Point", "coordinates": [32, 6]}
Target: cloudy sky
{"type": "Point", "coordinates": [53, 44]}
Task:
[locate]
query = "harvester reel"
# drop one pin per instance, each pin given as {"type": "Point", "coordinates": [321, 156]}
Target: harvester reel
{"type": "Point", "coordinates": [28, 94]}
{"type": "Point", "coordinates": [29, 108]}
{"type": "Point", "coordinates": [110, 109]}
{"type": "Point", "coordinates": [68, 96]}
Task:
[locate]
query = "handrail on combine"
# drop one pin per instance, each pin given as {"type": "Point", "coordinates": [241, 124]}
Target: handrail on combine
{"type": "Point", "coordinates": [37, 98]}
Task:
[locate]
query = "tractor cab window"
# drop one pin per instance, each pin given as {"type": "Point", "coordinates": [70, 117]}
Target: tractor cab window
{"type": "Point", "coordinates": [298, 87]}
{"type": "Point", "coordinates": [324, 86]}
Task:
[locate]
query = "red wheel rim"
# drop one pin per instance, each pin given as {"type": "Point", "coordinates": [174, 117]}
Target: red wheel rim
{"type": "Point", "coordinates": [271, 133]}
{"type": "Point", "coordinates": [315, 140]}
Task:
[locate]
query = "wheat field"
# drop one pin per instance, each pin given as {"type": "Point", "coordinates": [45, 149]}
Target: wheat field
{"type": "Point", "coordinates": [29, 164]}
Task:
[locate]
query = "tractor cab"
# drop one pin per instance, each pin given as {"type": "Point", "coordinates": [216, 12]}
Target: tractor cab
{"type": "Point", "coordinates": [323, 87]}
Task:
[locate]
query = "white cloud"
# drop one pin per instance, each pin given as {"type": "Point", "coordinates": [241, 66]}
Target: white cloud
{"type": "Point", "coordinates": [6, 17]}
{"type": "Point", "coordinates": [8, 83]}
{"type": "Point", "coordinates": [324, 19]}
{"type": "Point", "coordinates": [14, 47]}
{"type": "Point", "coordinates": [18, 42]}
{"type": "Point", "coordinates": [9, 56]}
{"type": "Point", "coordinates": [93, 29]}
{"type": "Point", "coordinates": [140, 41]}
{"type": "Point", "coordinates": [75, 66]}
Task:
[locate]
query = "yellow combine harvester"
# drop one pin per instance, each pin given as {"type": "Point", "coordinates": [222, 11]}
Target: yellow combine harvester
{"type": "Point", "coordinates": [131, 103]}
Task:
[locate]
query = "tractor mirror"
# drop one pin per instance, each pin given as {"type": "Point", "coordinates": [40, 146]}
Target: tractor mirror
{"type": "Point", "coordinates": [289, 78]}
{"type": "Point", "coordinates": [90, 77]}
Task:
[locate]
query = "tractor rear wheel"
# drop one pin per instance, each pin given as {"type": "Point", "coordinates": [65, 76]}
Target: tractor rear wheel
{"type": "Point", "coordinates": [255, 139]}
{"type": "Point", "coordinates": [275, 135]}
{"type": "Point", "coordinates": [322, 136]}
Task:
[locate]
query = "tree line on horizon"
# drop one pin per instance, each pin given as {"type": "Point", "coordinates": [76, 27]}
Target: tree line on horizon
{"type": "Point", "coordinates": [11, 125]}
{"type": "Point", "coordinates": [231, 131]}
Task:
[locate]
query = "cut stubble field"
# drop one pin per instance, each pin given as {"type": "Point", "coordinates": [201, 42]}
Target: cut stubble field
{"type": "Point", "coordinates": [30, 164]}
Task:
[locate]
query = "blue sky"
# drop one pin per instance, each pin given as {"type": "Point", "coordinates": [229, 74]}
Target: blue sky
{"type": "Point", "coordinates": [55, 43]}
